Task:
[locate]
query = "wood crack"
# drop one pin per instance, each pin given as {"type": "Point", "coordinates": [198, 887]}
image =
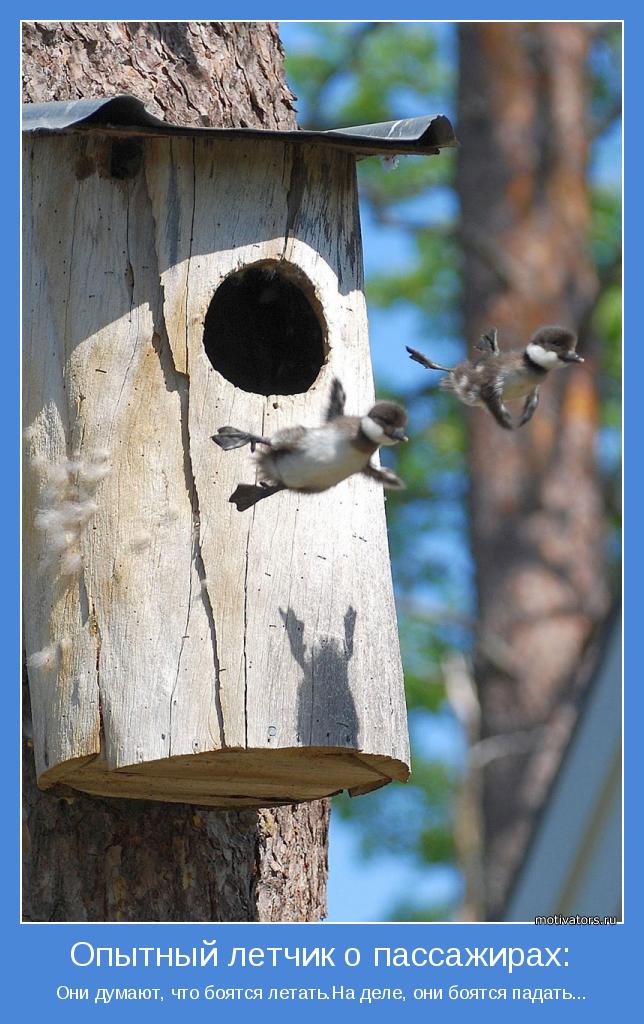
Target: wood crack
{"type": "Point", "coordinates": [296, 186]}
{"type": "Point", "coordinates": [96, 633]}
{"type": "Point", "coordinates": [192, 233]}
{"type": "Point", "coordinates": [69, 284]}
{"type": "Point", "coordinates": [129, 279]}
{"type": "Point", "coordinates": [246, 560]}
{"type": "Point", "coordinates": [129, 269]}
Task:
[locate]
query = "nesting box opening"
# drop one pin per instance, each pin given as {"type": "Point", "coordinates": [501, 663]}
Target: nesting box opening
{"type": "Point", "coordinates": [264, 330]}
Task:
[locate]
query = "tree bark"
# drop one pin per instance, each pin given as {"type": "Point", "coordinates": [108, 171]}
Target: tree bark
{"type": "Point", "coordinates": [536, 509]}
{"type": "Point", "coordinates": [216, 74]}
{"type": "Point", "coordinates": [123, 860]}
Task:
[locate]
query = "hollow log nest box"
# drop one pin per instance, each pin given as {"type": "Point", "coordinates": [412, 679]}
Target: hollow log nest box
{"type": "Point", "coordinates": [176, 280]}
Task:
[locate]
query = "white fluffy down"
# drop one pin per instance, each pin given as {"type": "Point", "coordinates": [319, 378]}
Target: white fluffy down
{"type": "Point", "coordinates": [68, 505]}
{"type": "Point", "coordinates": [542, 357]}
{"type": "Point", "coordinates": [324, 459]}
{"type": "Point", "coordinates": [45, 659]}
{"type": "Point", "coordinates": [375, 432]}
{"type": "Point", "coordinates": [372, 429]}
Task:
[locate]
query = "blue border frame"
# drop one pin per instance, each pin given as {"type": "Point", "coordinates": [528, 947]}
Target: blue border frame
{"type": "Point", "coordinates": [601, 960]}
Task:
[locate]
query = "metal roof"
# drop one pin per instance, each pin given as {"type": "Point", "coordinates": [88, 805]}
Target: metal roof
{"type": "Point", "coordinates": [127, 114]}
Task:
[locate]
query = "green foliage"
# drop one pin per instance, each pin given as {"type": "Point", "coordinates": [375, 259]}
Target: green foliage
{"type": "Point", "coordinates": [413, 820]}
{"type": "Point", "coordinates": [412, 176]}
{"type": "Point", "coordinates": [409, 911]}
{"type": "Point", "coordinates": [432, 283]}
{"type": "Point", "coordinates": [605, 73]}
{"type": "Point", "coordinates": [607, 317]}
{"type": "Point", "coordinates": [607, 323]}
{"type": "Point", "coordinates": [365, 72]}
{"type": "Point", "coordinates": [606, 229]}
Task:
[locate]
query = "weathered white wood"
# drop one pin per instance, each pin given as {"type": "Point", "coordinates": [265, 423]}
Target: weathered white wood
{"type": "Point", "coordinates": [198, 653]}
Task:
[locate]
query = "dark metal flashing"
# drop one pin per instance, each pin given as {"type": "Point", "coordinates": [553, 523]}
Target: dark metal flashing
{"type": "Point", "coordinates": [128, 115]}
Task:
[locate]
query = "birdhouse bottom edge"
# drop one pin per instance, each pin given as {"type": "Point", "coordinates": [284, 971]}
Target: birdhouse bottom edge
{"type": "Point", "coordinates": [251, 777]}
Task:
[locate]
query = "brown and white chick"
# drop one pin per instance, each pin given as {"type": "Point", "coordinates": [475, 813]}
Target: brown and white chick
{"type": "Point", "coordinates": [492, 377]}
{"type": "Point", "coordinates": [313, 459]}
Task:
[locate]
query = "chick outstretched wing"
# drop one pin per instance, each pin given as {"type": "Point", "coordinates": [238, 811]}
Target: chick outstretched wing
{"type": "Point", "coordinates": [337, 401]}
{"type": "Point", "coordinates": [488, 342]}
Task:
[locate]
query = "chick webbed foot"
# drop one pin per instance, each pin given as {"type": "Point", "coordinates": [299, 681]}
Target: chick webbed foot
{"type": "Point", "coordinates": [231, 437]}
{"type": "Point", "coordinates": [246, 495]}
{"type": "Point", "coordinates": [418, 357]}
{"type": "Point", "coordinates": [530, 406]}
{"type": "Point", "coordinates": [385, 477]}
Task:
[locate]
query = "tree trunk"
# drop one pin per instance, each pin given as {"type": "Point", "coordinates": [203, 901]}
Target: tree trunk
{"type": "Point", "coordinates": [121, 860]}
{"type": "Point", "coordinates": [536, 510]}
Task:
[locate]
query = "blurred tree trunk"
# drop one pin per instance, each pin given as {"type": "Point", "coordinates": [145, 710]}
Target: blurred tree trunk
{"type": "Point", "coordinates": [536, 508]}
{"type": "Point", "coordinates": [121, 860]}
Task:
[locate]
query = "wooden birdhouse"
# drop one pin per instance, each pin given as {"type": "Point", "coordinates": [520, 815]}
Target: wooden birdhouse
{"type": "Point", "coordinates": [176, 280]}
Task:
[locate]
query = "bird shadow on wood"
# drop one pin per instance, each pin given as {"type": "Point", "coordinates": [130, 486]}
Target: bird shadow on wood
{"type": "Point", "coordinates": [326, 714]}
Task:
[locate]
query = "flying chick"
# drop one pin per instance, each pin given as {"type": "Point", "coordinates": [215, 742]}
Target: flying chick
{"type": "Point", "coordinates": [312, 459]}
{"type": "Point", "coordinates": [491, 377]}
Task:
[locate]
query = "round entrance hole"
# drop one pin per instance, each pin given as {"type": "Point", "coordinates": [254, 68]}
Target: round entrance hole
{"type": "Point", "coordinates": [264, 330]}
